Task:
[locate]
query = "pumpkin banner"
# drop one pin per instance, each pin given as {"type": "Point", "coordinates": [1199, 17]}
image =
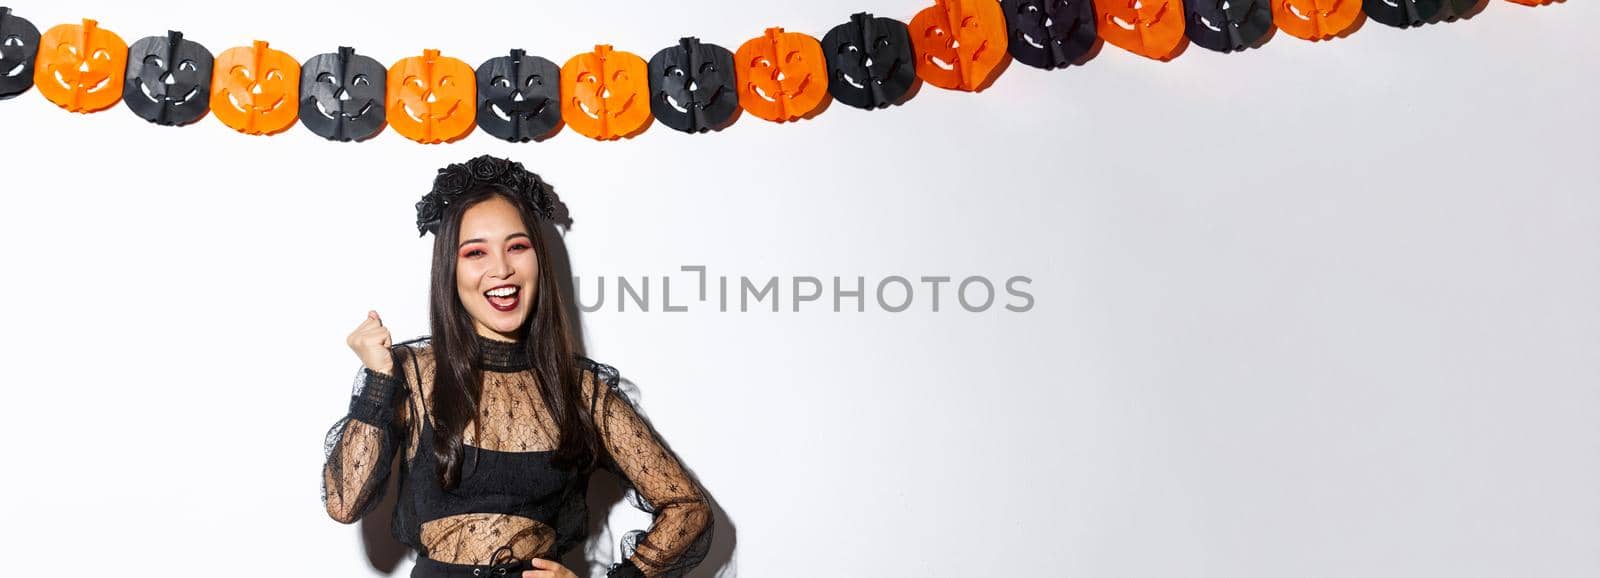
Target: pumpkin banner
{"type": "Point", "coordinates": [869, 62]}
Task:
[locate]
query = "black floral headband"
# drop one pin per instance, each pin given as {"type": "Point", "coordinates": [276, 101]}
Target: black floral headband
{"type": "Point", "coordinates": [459, 178]}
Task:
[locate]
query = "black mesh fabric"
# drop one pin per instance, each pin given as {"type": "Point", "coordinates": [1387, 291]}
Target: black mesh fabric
{"type": "Point", "coordinates": [510, 496]}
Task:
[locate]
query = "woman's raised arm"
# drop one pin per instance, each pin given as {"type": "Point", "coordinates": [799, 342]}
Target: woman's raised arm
{"type": "Point", "coordinates": [360, 447]}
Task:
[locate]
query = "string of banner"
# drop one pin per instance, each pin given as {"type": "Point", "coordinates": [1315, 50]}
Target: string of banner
{"type": "Point", "coordinates": [870, 62]}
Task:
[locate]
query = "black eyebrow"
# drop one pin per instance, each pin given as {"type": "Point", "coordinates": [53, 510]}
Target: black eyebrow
{"type": "Point", "coordinates": [508, 238]}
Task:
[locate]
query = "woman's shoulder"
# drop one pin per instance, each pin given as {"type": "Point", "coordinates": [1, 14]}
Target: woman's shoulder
{"type": "Point", "coordinates": [605, 373]}
{"type": "Point", "coordinates": [419, 344]}
{"type": "Point", "coordinates": [418, 350]}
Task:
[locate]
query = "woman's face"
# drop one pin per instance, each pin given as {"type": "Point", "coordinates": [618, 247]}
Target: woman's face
{"type": "Point", "coordinates": [497, 272]}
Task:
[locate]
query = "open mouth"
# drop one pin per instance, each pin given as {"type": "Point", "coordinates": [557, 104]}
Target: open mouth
{"type": "Point", "coordinates": [504, 297]}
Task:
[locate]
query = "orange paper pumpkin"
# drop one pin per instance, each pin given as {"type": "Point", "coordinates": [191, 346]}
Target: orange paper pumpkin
{"type": "Point", "coordinates": [960, 44]}
{"type": "Point", "coordinates": [432, 98]}
{"type": "Point", "coordinates": [1315, 19]}
{"type": "Point", "coordinates": [783, 76]}
{"type": "Point", "coordinates": [1152, 28]}
{"type": "Point", "coordinates": [80, 67]}
{"type": "Point", "coordinates": [605, 94]}
{"type": "Point", "coordinates": [255, 89]}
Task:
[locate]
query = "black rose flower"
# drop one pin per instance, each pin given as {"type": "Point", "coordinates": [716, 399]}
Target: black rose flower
{"type": "Point", "coordinates": [452, 180]}
{"type": "Point", "coordinates": [488, 168]}
{"type": "Point", "coordinates": [429, 211]}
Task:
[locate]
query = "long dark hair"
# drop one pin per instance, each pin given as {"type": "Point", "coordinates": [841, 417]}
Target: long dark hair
{"type": "Point", "coordinates": [458, 381]}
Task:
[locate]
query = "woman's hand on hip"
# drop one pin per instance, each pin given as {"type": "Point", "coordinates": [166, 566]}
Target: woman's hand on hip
{"type": "Point", "coordinates": [370, 341]}
{"type": "Point", "coordinates": [548, 569]}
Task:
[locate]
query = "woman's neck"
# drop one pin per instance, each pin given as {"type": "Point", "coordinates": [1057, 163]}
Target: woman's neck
{"type": "Point", "coordinates": [498, 354]}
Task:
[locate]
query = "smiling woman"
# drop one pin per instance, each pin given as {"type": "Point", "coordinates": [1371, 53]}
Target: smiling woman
{"type": "Point", "coordinates": [499, 422]}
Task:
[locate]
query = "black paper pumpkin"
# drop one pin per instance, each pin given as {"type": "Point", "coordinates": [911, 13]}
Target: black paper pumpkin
{"type": "Point", "coordinates": [342, 95]}
{"type": "Point", "coordinates": [1453, 10]}
{"type": "Point", "coordinates": [519, 97]}
{"type": "Point", "coordinates": [693, 86]}
{"type": "Point", "coordinates": [1050, 33]}
{"type": "Point", "coordinates": [168, 80]}
{"type": "Point", "coordinates": [1227, 25]}
{"type": "Point", "coordinates": [870, 61]}
{"type": "Point", "coordinates": [1403, 13]}
{"type": "Point", "coordinates": [19, 44]}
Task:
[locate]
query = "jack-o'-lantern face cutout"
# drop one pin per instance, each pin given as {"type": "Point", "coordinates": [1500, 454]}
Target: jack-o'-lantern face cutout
{"type": "Point", "coordinates": [1150, 28]}
{"type": "Point", "coordinates": [519, 97]}
{"type": "Point", "coordinates": [1404, 13]}
{"type": "Point", "coordinates": [342, 95]}
{"type": "Point", "coordinates": [782, 76]}
{"type": "Point", "coordinates": [692, 86]}
{"type": "Point", "coordinates": [960, 44]}
{"type": "Point", "coordinates": [871, 63]}
{"type": "Point", "coordinates": [19, 45]}
{"type": "Point", "coordinates": [1050, 33]}
{"type": "Point", "coordinates": [432, 98]}
{"type": "Point", "coordinates": [256, 89]}
{"type": "Point", "coordinates": [1227, 25]}
{"type": "Point", "coordinates": [168, 80]}
{"type": "Point", "coordinates": [1315, 19]}
{"type": "Point", "coordinates": [81, 67]}
{"type": "Point", "coordinates": [605, 94]}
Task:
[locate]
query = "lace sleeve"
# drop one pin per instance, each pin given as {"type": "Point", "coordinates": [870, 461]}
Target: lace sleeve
{"type": "Point", "coordinates": [361, 446]}
{"type": "Point", "coordinates": [680, 532]}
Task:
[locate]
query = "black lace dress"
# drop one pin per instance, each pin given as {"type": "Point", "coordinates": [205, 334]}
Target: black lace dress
{"type": "Point", "coordinates": [512, 502]}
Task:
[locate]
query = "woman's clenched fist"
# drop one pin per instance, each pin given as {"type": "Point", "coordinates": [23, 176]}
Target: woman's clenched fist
{"type": "Point", "coordinates": [370, 341]}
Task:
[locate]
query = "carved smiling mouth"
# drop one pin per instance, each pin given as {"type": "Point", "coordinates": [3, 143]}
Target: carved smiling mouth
{"type": "Point", "coordinates": [418, 117]}
{"type": "Point", "coordinates": [1307, 16]}
{"type": "Point", "coordinates": [762, 92]}
{"type": "Point", "coordinates": [15, 71]}
{"type": "Point", "coordinates": [261, 109]}
{"type": "Point", "coordinates": [1028, 38]}
{"type": "Point", "coordinates": [168, 99]}
{"type": "Point", "coordinates": [337, 115]}
{"type": "Point", "coordinates": [943, 64]}
{"type": "Point", "coordinates": [73, 85]}
{"type": "Point", "coordinates": [527, 114]}
{"type": "Point", "coordinates": [684, 108]}
{"type": "Point", "coordinates": [870, 77]}
{"type": "Point", "coordinates": [594, 114]}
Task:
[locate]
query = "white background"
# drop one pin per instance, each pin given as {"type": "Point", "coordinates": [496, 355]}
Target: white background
{"type": "Point", "coordinates": [1318, 309]}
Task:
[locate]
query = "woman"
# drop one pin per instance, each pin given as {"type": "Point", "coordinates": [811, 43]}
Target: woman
{"type": "Point", "coordinates": [498, 421]}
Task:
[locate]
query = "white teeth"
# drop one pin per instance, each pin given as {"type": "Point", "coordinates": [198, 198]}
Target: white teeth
{"type": "Point", "coordinates": [502, 292]}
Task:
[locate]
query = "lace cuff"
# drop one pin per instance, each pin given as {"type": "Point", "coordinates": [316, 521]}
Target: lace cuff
{"type": "Point", "coordinates": [373, 402]}
{"type": "Point", "coordinates": [625, 569]}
